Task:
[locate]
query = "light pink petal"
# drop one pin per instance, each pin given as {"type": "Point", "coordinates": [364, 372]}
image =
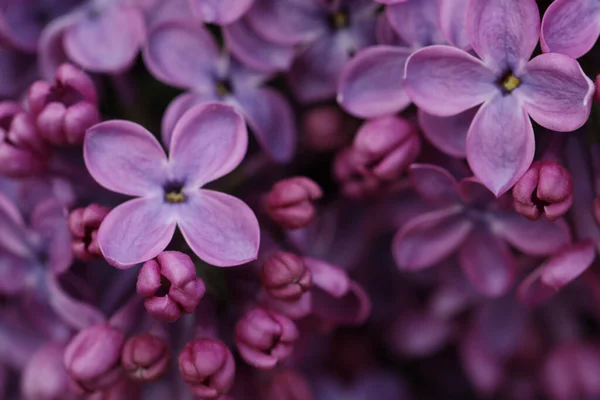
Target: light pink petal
{"type": "Point", "coordinates": [209, 141]}
{"type": "Point", "coordinates": [370, 84]}
{"type": "Point", "coordinates": [272, 120]}
{"type": "Point", "coordinates": [571, 27]}
{"type": "Point", "coordinates": [329, 278]}
{"type": "Point", "coordinates": [108, 41]}
{"type": "Point", "coordinates": [182, 54]}
{"type": "Point", "coordinates": [453, 16]}
{"type": "Point", "coordinates": [434, 184]}
{"type": "Point", "coordinates": [556, 93]}
{"type": "Point", "coordinates": [177, 108]}
{"type": "Point", "coordinates": [15, 272]}
{"type": "Point", "coordinates": [136, 231]}
{"type": "Point", "coordinates": [539, 238]}
{"type": "Point", "coordinates": [220, 12]}
{"type": "Point", "coordinates": [417, 22]}
{"type": "Point", "coordinates": [500, 143]}
{"type": "Point", "coordinates": [448, 134]}
{"type": "Point", "coordinates": [503, 33]}
{"type": "Point", "coordinates": [160, 11]}
{"type": "Point", "coordinates": [445, 81]}
{"type": "Point", "coordinates": [124, 157]}
{"type": "Point", "coordinates": [488, 263]}
{"type": "Point", "coordinates": [221, 229]}
{"type": "Point", "coordinates": [429, 238]}
{"type": "Point", "coordinates": [556, 273]}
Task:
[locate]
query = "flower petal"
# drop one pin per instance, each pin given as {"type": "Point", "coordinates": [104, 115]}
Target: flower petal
{"type": "Point", "coordinates": [488, 263]}
{"type": "Point", "coordinates": [429, 238]}
{"type": "Point", "coordinates": [177, 108]}
{"type": "Point", "coordinates": [370, 84]}
{"type": "Point", "coordinates": [556, 93]}
{"type": "Point", "coordinates": [445, 81]}
{"type": "Point", "coordinates": [221, 229]}
{"type": "Point", "coordinates": [500, 143]}
{"type": "Point", "coordinates": [182, 54]}
{"type": "Point", "coordinates": [220, 12]}
{"type": "Point", "coordinates": [209, 141]}
{"type": "Point", "coordinates": [503, 33]}
{"type": "Point", "coordinates": [14, 272]}
{"type": "Point", "coordinates": [108, 41]}
{"type": "Point", "coordinates": [571, 27]}
{"type": "Point", "coordinates": [51, 51]}
{"type": "Point", "coordinates": [136, 231]}
{"type": "Point", "coordinates": [434, 184]}
{"type": "Point", "coordinates": [448, 134]}
{"type": "Point", "coordinates": [353, 308]}
{"type": "Point", "coordinates": [17, 70]}
{"type": "Point", "coordinates": [124, 157]}
{"type": "Point", "coordinates": [539, 238]}
{"type": "Point", "coordinates": [272, 121]}
{"type": "Point", "coordinates": [416, 21]}
{"type": "Point", "coordinates": [453, 16]}
{"type": "Point", "coordinates": [13, 233]}
{"type": "Point", "coordinates": [49, 219]}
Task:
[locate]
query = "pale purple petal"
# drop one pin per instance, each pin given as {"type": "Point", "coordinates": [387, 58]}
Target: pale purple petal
{"type": "Point", "coordinates": [220, 12]}
{"type": "Point", "coordinates": [417, 22]}
{"type": "Point", "coordinates": [178, 107]}
{"type": "Point", "coordinates": [370, 84]}
{"type": "Point", "coordinates": [500, 143]}
{"type": "Point", "coordinates": [571, 27]}
{"type": "Point", "coordinates": [49, 220]}
{"type": "Point", "coordinates": [14, 272]}
{"type": "Point", "coordinates": [474, 193]}
{"type": "Point", "coordinates": [331, 279]}
{"type": "Point", "coordinates": [453, 16]}
{"type": "Point", "coordinates": [221, 229]}
{"type": "Point", "coordinates": [209, 141]}
{"type": "Point", "coordinates": [448, 134]}
{"type": "Point", "coordinates": [13, 233]}
{"type": "Point", "coordinates": [445, 81]}
{"type": "Point", "coordinates": [555, 92]}
{"type": "Point", "coordinates": [557, 272]}
{"type": "Point", "coordinates": [160, 11]}
{"type": "Point", "coordinates": [182, 55]}
{"type": "Point", "coordinates": [124, 157]}
{"type": "Point", "coordinates": [51, 50]}
{"type": "Point", "coordinates": [385, 34]}
{"type": "Point", "coordinates": [136, 231]}
{"type": "Point", "coordinates": [272, 120]}
{"type": "Point", "coordinates": [539, 238]}
{"type": "Point", "coordinates": [503, 33]}
{"type": "Point", "coordinates": [429, 238]}
{"type": "Point", "coordinates": [107, 41]}
{"type": "Point", "coordinates": [19, 25]}
{"type": "Point", "coordinates": [434, 184]}
{"type": "Point", "coordinates": [488, 263]}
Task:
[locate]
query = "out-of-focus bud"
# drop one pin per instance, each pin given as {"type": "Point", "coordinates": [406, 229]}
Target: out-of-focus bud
{"type": "Point", "coordinates": [596, 210]}
{"type": "Point", "coordinates": [285, 276]}
{"type": "Point", "coordinates": [545, 189]}
{"type": "Point", "coordinates": [264, 338]}
{"type": "Point", "coordinates": [64, 110]}
{"type": "Point", "coordinates": [207, 366]}
{"type": "Point", "coordinates": [597, 92]}
{"type": "Point", "coordinates": [83, 224]}
{"type": "Point", "coordinates": [287, 384]}
{"type": "Point", "coordinates": [170, 285]}
{"type": "Point", "coordinates": [325, 128]}
{"type": "Point", "coordinates": [290, 202]}
{"type": "Point", "coordinates": [44, 377]}
{"type": "Point", "coordinates": [92, 358]}
{"type": "Point", "coordinates": [354, 179]}
{"type": "Point", "coordinates": [145, 357]}
{"type": "Point", "coordinates": [22, 152]}
{"type": "Point", "coordinates": [124, 389]}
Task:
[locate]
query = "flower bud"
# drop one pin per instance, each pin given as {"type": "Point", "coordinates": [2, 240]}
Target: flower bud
{"type": "Point", "coordinates": [285, 276]}
{"type": "Point", "coordinates": [207, 366]}
{"type": "Point", "coordinates": [545, 189]}
{"type": "Point", "coordinates": [265, 338]}
{"type": "Point", "coordinates": [92, 358]}
{"type": "Point", "coordinates": [123, 389]}
{"type": "Point", "coordinates": [355, 180]}
{"type": "Point", "coordinates": [287, 384]}
{"type": "Point", "coordinates": [170, 285]}
{"type": "Point", "coordinates": [65, 110]}
{"type": "Point", "coordinates": [145, 357]}
{"type": "Point", "coordinates": [44, 377]}
{"type": "Point", "coordinates": [84, 224]}
{"type": "Point", "coordinates": [325, 128]}
{"type": "Point", "coordinates": [290, 202]}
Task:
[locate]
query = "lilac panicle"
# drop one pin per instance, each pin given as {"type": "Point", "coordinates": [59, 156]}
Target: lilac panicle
{"type": "Point", "coordinates": [285, 276]}
{"type": "Point", "coordinates": [290, 202]}
{"type": "Point", "coordinates": [145, 357]}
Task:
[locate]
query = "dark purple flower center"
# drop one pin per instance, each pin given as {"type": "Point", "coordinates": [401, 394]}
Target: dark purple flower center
{"type": "Point", "coordinates": [339, 19]}
{"type": "Point", "coordinates": [174, 193]}
{"type": "Point", "coordinates": [224, 87]}
{"type": "Point", "coordinates": [508, 82]}
{"type": "Point", "coordinates": [165, 285]}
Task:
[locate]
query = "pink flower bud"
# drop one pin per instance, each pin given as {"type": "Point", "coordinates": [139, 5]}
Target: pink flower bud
{"type": "Point", "coordinates": [285, 276]}
{"type": "Point", "coordinates": [145, 357]}
{"type": "Point", "coordinates": [92, 358]}
{"type": "Point", "coordinates": [44, 377]}
{"type": "Point", "coordinates": [545, 189]}
{"type": "Point", "coordinates": [287, 384]}
{"type": "Point", "coordinates": [290, 202]}
{"type": "Point", "coordinates": [325, 128]}
{"type": "Point", "coordinates": [170, 285]}
{"type": "Point", "coordinates": [355, 181]}
{"type": "Point", "coordinates": [84, 224]}
{"type": "Point", "coordinates": [207, 366]}
{"type": "Point", "coordinates": [264, 338]}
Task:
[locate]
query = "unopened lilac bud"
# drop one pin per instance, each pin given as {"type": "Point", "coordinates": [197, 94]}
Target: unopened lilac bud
{"type": "Point", "coordinates": [386, 146]}
{"type": "Point", "coordinates": [325, 128]}
{"type": "Point", "coordinates": [290, 202]}
{"type": "Point", "coordinates": [264, 338]}
{"type": "Point", "coordinates": [285, 276]}
{"type": "Point", "coordinates": [207, 366]}
{"type": "Point", "coordinates": [145, 357]}
{"type": "Point", "coordinates": [92, 358]}
{"type": "Point", "coordinates": [44, 377]}
{"type": "Point", "coordinates": [545, 189]}
{"type": "Point", "coordinates": [287, 384]}
{"type": "Point", "coordinates": [84, 224]}
{"type": "Point", "coordinates": [170, 285]}
{"type": "Point", "coordinates": [355, 180]}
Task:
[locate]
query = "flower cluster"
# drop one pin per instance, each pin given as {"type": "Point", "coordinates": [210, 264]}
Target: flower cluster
{"type": "Point", "coordinates": [299, 199]}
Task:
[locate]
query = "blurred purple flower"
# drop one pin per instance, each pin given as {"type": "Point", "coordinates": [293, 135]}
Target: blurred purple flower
{"type": "Point", "coordinates": [222, 12]}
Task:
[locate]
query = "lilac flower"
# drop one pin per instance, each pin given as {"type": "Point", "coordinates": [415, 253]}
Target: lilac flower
{"type": "Point", "coordinates": [187, 56]}
{"type": "Point", "coordinates": [551, 88]}
{"type": "Point", "coordinates": [208, 142]}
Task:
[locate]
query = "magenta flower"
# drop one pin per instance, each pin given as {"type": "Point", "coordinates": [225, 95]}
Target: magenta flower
{"type": "Point", "coordinates": [208, 142]}
{"type": "Point", "coordinates": [552, 89]}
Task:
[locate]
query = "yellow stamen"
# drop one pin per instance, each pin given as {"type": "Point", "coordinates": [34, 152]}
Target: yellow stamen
{"type": "Point", "coordinates": [340, 19]}
{"type": "Point", "coordinates": [510, 83]}
{"type": "Point", "coordinates": [175, 197]}
{"type": "Point", "coordinates": [222, 89]}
